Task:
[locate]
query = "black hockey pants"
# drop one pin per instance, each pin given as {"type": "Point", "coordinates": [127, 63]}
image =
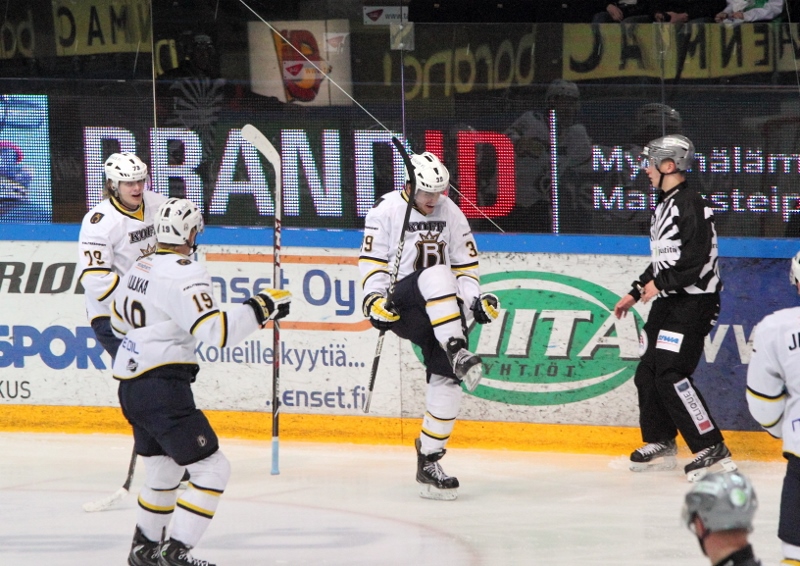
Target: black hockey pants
{"type": "Point", "coordinates": [674, 337]}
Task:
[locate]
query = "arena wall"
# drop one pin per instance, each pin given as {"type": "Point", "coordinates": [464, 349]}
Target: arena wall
{"type": "Point", "coordinates": [559, 366]}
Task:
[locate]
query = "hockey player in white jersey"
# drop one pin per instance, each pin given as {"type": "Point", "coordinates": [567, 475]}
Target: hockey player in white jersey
{"type": "Point", "coordinates": [773, 396]}
{"type": "Point", "coordinates": [114, 234]}
{"type": "Point", "coordinates": [436, 298]}
{"type": "Point", "coordinates": [163, 306]}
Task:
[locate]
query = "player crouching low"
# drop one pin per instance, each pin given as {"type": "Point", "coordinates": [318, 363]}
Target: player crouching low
{"type": "Point", "coordinates": [437, 275]}
{"type": "Point", "coordinates": [164, 305]}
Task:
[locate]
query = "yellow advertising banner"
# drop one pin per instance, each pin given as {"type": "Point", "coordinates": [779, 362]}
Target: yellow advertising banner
{"type": "Point", "coordinates": [670, 51]}
{"type": "Point", "coordinates": [101, 26]}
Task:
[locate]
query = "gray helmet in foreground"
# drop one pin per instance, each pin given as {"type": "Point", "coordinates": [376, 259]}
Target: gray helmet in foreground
{"type": "Point", "coordinates": [676, 147]}
{"type": "Point", "coordinates": [724, 501]}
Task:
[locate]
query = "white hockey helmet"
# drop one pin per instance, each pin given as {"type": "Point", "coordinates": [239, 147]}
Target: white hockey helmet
{"type": "Point", "coordinates": [724, 501]}
{"type": "Point", "coordinates": [676, 147]}
{"type": "Point", "coordinates": [124, 167]}
{"type": "Point", "coordinates": [794, 271]}
{"type": "Point", "coordinates": [432, 176]}
{"type": "Point", "coordinates": [175, 219]}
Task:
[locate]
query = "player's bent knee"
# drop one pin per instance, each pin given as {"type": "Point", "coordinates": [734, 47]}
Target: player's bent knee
{"type": "Point", "coordinates": [212, 472]}
{"type": "Point", "coordinates": [436, 281]}
{"type": "Point", "coordinates": [163, 473]}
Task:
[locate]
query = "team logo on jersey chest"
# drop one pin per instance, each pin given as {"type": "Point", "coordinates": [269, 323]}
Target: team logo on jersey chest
{"type": "Point", "coordinates": [96, 217]}
{"type": "Point", "coordinates": [141, 235]}
{"type": "Point", "coordinates": [430, 251]}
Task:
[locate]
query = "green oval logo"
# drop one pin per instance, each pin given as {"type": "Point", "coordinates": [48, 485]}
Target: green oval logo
{"type": "Point", "coordinates": [556, 341]}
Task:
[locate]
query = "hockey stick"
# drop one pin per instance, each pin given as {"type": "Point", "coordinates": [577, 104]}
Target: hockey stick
{"type": "Point", "coordinates": [263, 145]}
{"type": "Point", "coordinates": [395, 267]}
{"type": "Point", "coordinates": [117, 496]}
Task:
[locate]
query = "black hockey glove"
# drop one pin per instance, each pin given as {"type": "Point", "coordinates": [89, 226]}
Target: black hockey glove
{"type": "Point", "coordinates": [486, 308]}
{"type": "Point", "coordinates": [379, 313]}
{"type": "Point", "coordinates": [270, 304]}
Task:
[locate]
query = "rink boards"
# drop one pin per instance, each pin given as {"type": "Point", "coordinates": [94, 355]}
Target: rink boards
{"type": "Point", "coordinates": [559, 366]}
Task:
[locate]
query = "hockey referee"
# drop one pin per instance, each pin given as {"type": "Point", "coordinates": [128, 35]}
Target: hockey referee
{"type": "Point", "coordinates": [684, 283]}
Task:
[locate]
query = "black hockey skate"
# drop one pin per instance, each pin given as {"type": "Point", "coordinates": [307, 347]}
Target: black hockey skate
{"type": "Point", "coordinates": [466, 365]}
{"type": "Point", "coordinates": [654, 456]}
{"type": "Point", "coordinates": [434, 483]}
{"type": "Point", "coordinates": [175, 553]}
{"type": "Point", "coordinates": [708, 457]}
{"type": "Point", "coordinates": [144, 552]}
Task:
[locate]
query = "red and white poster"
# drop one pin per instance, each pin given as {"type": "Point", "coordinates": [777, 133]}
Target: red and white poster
{"type": "Point", "coordinates": [304, 62]}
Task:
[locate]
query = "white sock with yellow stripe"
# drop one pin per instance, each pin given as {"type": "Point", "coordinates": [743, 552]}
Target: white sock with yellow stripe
{"type": "Point", "coordinates": [196, 507]}
{"type": "Point", "coordinates": [442, 403]}
{"type": "Point", "coordinates": [158, 494]}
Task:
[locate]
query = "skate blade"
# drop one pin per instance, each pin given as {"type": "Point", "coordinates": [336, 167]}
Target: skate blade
{"type": "Point", "coordinates": [427, 491]}
{"type": "Point", "coordinates": [662, 464]}
{"type": "Point", "coordinates": [727, 465]}
{"type": "Point", "coordinates": [473, 377]}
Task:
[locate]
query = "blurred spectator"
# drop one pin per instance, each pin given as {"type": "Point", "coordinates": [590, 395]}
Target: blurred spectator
{"type": "Point", "coordinates": [632, 214]}
{"type": "Point", "coordinates": [739, 11]}
{"type": "Point", "coordinates": [686, 11]}
{"type": "Point", "coordinates": [565, 11]}
{"type": "Point", "coordinates": [531, 135]}
{"type": "Point", "coordinates": [192, 96]}
{"type": "Point", "coordinates": [628, 11]}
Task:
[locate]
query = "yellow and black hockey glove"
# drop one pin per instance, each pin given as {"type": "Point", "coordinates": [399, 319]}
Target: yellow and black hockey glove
{"type": "Point", "coordinates": [379, 313]}
{"type": "Point", "coordinates": [270, 304]}
{"type": "Point", "coordinates": [486, 308]}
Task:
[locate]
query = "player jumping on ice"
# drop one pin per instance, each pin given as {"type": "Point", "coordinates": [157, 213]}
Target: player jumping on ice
{"type": "Point", "coordinates": [436, 298]}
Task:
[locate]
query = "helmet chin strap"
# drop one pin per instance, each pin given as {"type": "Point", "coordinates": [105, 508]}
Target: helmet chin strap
{"type": "Point", "coordinates": [701, 538]}
{"type": "Point", "coordinates": [193, 243]}
{"type": "Point", "coordinates": [661, 178]}
{"type": "Point", "coordinates": [702, 541]}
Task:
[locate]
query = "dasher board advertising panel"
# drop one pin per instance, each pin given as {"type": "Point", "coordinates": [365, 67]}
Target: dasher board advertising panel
{"type": "Point", "coordinates": [555, 355]}
{"type": "Point", "coordinates": [300, 61]}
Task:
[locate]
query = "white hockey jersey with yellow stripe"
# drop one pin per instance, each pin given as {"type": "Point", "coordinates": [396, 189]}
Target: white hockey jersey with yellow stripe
{"type": "Point", "coordinates": [442, 237]}
{"type": "Point", "coordinates": [773, 377]}
{"type": "Point", "coordinates": [111, 239]}
{"type": "Point", "coordinates": [163, 306]}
